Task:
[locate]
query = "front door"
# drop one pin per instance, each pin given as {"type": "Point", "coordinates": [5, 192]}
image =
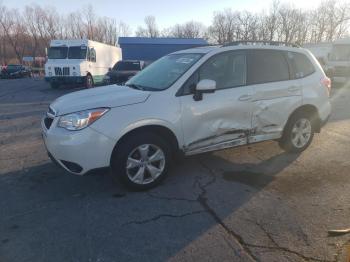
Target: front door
{"type": "Point", "coordinates": [223, 118]}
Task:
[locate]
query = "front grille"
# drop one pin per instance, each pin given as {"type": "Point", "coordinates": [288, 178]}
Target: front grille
{"type": "Point", "coordinates": [58, 71]}
{"type": "Point", "coordinates": [342, 71]}
{"type": "Point", "coordinates": [64, 71]}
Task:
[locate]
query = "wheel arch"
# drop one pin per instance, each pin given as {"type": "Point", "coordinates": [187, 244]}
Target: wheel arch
{"type": "Point", "coordinates": [158, 129]}
{"type": "Point", "coordinates": [310, 110]}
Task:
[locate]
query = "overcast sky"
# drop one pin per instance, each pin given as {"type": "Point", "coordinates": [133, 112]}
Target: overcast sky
{"type": "Point", "coordinates": [166, 12]}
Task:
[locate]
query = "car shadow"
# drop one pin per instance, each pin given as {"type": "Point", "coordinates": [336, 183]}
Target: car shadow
{"type": "Point", "coordinates": [89, 218]}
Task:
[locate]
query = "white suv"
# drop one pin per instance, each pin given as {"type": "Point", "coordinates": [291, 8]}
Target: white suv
{"type": "Point", "coordinates": [191, 101]}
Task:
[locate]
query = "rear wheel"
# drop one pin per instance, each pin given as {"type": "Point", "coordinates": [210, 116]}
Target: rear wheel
{"type": "Point", "coordinates": [298, 133]}
{"type": "Point", "coordinates": [141, 161]}
{"type": "Point", "coordinates": [89, 82]}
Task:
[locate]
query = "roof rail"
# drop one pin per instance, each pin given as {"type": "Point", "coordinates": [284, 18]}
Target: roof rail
{"type": "Point", "coordinates": [252, 42]}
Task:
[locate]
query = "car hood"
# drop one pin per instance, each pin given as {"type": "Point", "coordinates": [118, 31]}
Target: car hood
{"type": "Point", "coordinates": [107, 96]}
{"type": "Point", "coordinates": [117, 74]}
{"type": "Point", "coordinates": [10, 71]}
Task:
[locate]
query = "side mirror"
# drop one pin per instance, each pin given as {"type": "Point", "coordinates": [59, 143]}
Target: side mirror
{"type": "Point", "coordinates": [204, 86]}
{"type": "Point", "coordinates": [110, 69]}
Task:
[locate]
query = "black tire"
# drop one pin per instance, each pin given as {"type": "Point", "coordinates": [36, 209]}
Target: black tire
{"type": "Point", "coordinates": [286, 142]}
{"type": "Point", "coordinates": [89, 83]}
{"type": "Point", "coordinates": [54, 85]}
{"type": "Point", "coordinates": [130, 145]}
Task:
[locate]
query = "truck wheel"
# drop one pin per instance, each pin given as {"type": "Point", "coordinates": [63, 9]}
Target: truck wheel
{"type": "Point", "coordinates": [141, 162]}
{"type": "Point", "coordinates": [89, 82]}
{"type": "Point", "coordinates": [54, 85]}
{"type": "Point", "coordinates": [298, 133]}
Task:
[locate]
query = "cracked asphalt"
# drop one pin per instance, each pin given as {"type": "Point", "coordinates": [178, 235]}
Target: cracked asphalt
{"type": "Point", "coordinates": [253, 203]}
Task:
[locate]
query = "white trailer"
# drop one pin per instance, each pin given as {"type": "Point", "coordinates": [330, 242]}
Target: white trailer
{"type": "Point", "coordinates": [321, 52]}
{"type": "Point", "coordinates": [79, 61]}
{"type": "Point", "coordinates": [339, 61]}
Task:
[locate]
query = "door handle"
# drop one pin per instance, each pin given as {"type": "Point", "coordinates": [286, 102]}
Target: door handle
{"type": "Point", "coordinates": [245, 97]}
{"type": "Point", "coordinates": [293, 89]}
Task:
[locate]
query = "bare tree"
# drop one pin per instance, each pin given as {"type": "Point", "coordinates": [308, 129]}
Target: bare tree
{"type": "Point", "coordinates": [225, 26]}
{"type": "Point", "coordinates": [14, 30]}
{"type": "Point", "coordinates": [89, 19]}
{"type": "Point", "coordinates": [190, 29]}
{"type": "Point", "coordinates": [271, 20]}
{"type": "Point", "coordinates": [123, 29]}
{"type": "Point", "coordinates": [29, 30]}
{"type": "Point", "coordinates": [151, 29]}
{"type": "Point", "coordinates": [248, 24]}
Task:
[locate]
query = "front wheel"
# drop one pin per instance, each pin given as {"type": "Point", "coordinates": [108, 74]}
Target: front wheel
{"type": "Point", "coordinates": [298, 133]}
{"type": "Point", "coordinates": [141, 162]}
{"type": "Point", "coordinates": [89, 82]}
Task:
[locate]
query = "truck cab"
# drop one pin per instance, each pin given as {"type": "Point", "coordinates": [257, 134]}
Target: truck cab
{"type": "Point", "coordinates": [79, 62]}
{"type": "Point", "coordinates": [338, 66]}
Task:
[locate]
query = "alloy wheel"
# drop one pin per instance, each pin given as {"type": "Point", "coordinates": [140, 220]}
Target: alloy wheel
{"type": "Point", "coordinates": [145, 164]}
{"type": "Point", "coordinates": [301, 133]}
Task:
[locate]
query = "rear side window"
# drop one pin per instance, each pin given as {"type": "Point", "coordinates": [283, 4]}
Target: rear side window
{"type": "Point", "coordinates": [302, 66]}
{"type": "Point", "coordinates": [266, 66]}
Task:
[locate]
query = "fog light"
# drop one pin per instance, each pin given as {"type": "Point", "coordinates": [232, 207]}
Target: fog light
{"type": "Point", "coordinates": [74, 73]}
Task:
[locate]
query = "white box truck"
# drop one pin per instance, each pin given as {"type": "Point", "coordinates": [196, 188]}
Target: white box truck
{"type": "Point", "coordinates": [339, 61]}
{"type": "Point", "coordinates": [320, 51]}
{"type": "Point", "coordinates": [79, 61]}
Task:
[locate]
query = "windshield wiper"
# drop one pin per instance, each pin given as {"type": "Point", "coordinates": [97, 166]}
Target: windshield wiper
{"type": "Point", "coordinates": [134, 86]}
{"type": "Point", "coordinates": [143, 88]}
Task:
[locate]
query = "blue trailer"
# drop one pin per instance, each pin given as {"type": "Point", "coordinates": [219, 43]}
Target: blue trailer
{"type": "Point", "coordinates": [150, 49]}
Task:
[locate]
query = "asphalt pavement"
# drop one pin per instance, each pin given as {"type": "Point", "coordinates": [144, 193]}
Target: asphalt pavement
{"type": "Point", "coordinates": [253, 203]}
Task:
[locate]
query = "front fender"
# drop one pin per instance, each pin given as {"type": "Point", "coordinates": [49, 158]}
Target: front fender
{"type": "Point", "coordinates": [154, 122]}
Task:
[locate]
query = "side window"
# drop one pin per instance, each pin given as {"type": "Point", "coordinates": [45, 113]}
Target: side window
{"type": "Point", "coordinates": [266, 66]}
{"type": "Point", "coordinates": [88, 54]}
{"type": "Point", "coordinates": [227, 69]}
{"type": "Point", "coordinates": [92, 55]}
{"type": "Point", "coordinates": [302, 66]}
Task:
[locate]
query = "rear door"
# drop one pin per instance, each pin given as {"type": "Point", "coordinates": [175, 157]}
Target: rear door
{"type": "Point", "coordinates": [276, 93]}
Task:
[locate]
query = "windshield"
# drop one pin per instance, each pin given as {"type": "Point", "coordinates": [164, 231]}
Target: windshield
{"type": "Point", "coordinates": [340, 53]}
{"type": "Point", "coordinates": [58, 52]}
{"type": "Point", "coordinates": [77, 52]}
{"type": "Point", "coordinates": [164, 72]}
{"type": "Point", "coordinates": [11, 67]}
{"type": "Point", "coordinates": [127, 66]}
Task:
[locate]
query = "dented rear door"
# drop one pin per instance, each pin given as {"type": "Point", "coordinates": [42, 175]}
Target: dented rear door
{"type": "Point", "coordinates": [277, 95]}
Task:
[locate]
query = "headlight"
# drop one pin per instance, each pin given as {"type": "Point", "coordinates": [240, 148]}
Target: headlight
{"type": "Point", "coordinates": [80, 120]}
{"type": "Point", "coordinates": [106, 77]}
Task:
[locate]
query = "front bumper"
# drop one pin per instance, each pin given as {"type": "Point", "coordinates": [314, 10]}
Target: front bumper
{"type": "Point", "coordinates": [77, 151]}
{"type": "Point", "coordinates": [66, 79]}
